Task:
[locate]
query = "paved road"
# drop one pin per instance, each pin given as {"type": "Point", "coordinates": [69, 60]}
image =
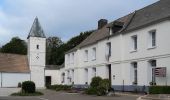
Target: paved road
{"type": "Point", "coordinates": [52, 95]}
{"type": "Point", "coordinates": [8, 91]}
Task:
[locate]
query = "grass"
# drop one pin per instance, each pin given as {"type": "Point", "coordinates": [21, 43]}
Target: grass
{"type": "Point", "coordinates": [27, 94]}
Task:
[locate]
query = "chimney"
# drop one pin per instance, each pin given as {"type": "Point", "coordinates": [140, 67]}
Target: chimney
{"type": "Point", "coordinates": [101, 23]}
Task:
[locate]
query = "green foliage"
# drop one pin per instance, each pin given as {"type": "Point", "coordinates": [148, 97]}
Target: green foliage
{"type": "Point", "coordinates": [95, 82]}
{"type": "Point", "coordinates": [15, 46]}
{"type": "Point", "coordinates": [27, 94]}
{"type": "Point", "coordinates": [159, 89]}
{"type": "Point", "coordinates": [53, 51]}
{"type": "Point", "coordinates": [91, 91]}
{"type": "Point", "coordinates": [99, 86]}
{"type": "Point", "coordinates": [56, 48]}
{"type": "Point", "coordinates": [28, 87]}
{"type": "Point", "coordinates": [60, 87]}
{"type": "Point", "coordinates": [104, 87]}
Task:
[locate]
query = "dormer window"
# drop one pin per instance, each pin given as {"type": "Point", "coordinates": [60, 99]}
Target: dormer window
{"type": "Point", "coordinates": [115, 27]}
{"type": "Point", "coordinates": [37, 46]}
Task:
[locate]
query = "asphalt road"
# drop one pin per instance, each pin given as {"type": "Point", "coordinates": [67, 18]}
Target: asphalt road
{"type": "Point", "coordinates": [52, 95]}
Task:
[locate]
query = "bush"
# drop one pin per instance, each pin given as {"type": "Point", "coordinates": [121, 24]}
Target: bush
{"type": "Point", "coordinates": [104, 87]}
{"type": "Point", "coordinates": [91, 91]}
{"type": "Point", "coordinates": [99, 86]}
{"type": "Point", "coordinates": [159, 89]}
{"type": "Point", "coordinates": [19, 85]}
{"type": "Point", "coordinates": [28, 87]}
{"type": "Point", "coordinates": [60, 87]}
{"type": "Point", "coordinates": [95, 82]}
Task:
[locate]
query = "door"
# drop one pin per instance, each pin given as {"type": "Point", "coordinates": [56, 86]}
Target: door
{"type": "Point", "coordinates": [47, 81]}
{"type": "Point", "coordinates": [109, 73]}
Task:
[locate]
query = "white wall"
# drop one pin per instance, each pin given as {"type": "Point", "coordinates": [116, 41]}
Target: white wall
{"type": "Point", "coordinates": [55, 76]}
{"type": "Point", "coordinates": [12, 79]}
{"type": "Point", "coordinates": [37, 60]}
{"type": "Point", "coordinates": [122, 57]}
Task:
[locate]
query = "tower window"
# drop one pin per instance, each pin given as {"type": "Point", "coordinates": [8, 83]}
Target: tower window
{"type": "Point", "coordinates": [37, 46]}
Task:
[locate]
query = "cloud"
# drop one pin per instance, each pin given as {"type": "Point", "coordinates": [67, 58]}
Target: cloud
{"type": "Point", "coordinates": [63, 18]}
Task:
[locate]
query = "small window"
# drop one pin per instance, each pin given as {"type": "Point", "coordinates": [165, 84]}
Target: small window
{"type": "Point", "coordinates": [152, 38]}
{"type": "Point", "coordinates": [94, 72]}
{"type": "Point", "coordinates": [68, 59]}
{"type": "Point", "coordinates": [86, 55]}
{"type": "Point", "coordinates": [135, 73]}
{"type": "Point", "coordinates": [94, 54]}
{"type": "Point", "coordinates": [134, 43]}
{"type": "Point", "coordinates": [108, 50]}
{"type": "Point", "coordinates": [37, 46]}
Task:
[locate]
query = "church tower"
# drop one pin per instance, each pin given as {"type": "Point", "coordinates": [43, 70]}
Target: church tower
{"type": "Point", "coordinates": [37, 53]}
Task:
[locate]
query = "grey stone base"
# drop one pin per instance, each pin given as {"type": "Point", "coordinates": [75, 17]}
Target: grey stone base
{"type": "Point", "coordinates": [125, 88]}
{"type": "Point", "coordinates": [130, 88]}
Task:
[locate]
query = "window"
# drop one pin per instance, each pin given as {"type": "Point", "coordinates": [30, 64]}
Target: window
{"type": "Point", "coordinates": [152, 38]}
{"type": "Point", "coordinates": [134, 42]}
{"type": "Point", "coordinates": [86, 55]}
{"type": "Point", "coordinates": [94, 54]}
{"type": "Point", "coordinates": [153, 65]}
{"type": "Point", "coordinates": [68, 59]}
{"type": "Point", "coordinates": [72, 58]}
{"type": "Point", "coordinates": [37, 46]}
{"type": "Point", "coordinates": [72, 76]}
{"type": "Point", "coordinates": [86, 76]}
{"type": "Point", "coordinates": [135, 71]}
{"type": "Point", "coordinates": [63, 77]}
{"type": "Point", "coordinates": [93, 72]}
{"type": "Point", "coordinates": [108, 50]}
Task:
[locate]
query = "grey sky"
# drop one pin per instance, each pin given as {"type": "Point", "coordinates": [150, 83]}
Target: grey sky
{"type": "Point", "coordinates": [62, 18]}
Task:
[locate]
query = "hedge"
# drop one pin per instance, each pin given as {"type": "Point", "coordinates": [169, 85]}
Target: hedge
{"type": "Point", "coordinates": [60, 87]}
{"type": "Point", "coordinates": [159, 89]}
{"type": "Point", "coordinates": [28, 87]}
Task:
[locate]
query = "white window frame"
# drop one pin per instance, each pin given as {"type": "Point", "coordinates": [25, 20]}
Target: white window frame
{"type": "Point", "coordinates": [93, 53]}
{"type": "Point", "coordinates": [86, 55]}
{"type": "Point", "coordinates": [152, 40]}
{"type": "Point", "coordinates": [134, 43]}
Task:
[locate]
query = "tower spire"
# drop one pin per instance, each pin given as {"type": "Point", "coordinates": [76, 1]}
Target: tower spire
{"type": "Point", "coordinates": [36, 29]}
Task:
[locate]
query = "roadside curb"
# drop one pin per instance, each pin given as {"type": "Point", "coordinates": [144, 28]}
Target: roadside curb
{"type": "Point", "coordinates": [151, 98]}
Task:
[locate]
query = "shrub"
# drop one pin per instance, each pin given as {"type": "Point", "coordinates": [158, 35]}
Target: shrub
{"type": "Point", "coordinates": [104, 87]}
{"type": "Point", "coordinates": [159, 89]}
{"type": "Point", "coordinates": [19, 84]}
{"type": "Point", "coordinates": [95, 82]}
{"type": "Point", "coordinates": [91, 91]}
{"type": "Point", "coordinates": [60, 87]}
{"type": "Point", "coordinates": [28, 87]}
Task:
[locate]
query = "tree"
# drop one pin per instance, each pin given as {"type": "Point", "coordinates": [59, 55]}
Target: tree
{"type": "Point", "coordinates": [52, 55]}
{"type": "Point", "coordinates": [15, 46]}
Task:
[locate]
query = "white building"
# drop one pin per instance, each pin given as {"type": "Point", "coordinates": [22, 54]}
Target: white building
{"type": "Point", "coordinates": [18, 68]}
{"type": "Point", "coordinates": [125, 51]}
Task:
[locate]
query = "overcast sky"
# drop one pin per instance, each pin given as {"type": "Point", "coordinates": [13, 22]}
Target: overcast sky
{"type": "Point", "coordinates": [62, 18]}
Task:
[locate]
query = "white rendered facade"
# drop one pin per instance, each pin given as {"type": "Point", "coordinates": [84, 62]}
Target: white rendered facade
{"type": "Point", "coordinates": [122, 57]}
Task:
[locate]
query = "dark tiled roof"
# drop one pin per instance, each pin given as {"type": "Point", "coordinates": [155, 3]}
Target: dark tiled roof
{"type": "Point", "coordinates": [150, 14]}
{"type": "Point", "coordinates": [13, 63]}
{"type": "Point", "coordinates": [153, 13]}
{"type": "Point", "coordinates": [53, 67]}
{"type": "Point", "coordinates": [36, 30]}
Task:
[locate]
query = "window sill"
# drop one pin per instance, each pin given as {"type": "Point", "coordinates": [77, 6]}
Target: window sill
{"type": "Point", "coordinates": [132, 51]}
{"type": "Point", "coordinates": [149, 48]}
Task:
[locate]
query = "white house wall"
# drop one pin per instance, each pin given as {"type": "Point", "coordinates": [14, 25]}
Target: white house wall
{"type": "Point", "coordinates": [122, 57]}
{"type": "Point", "coordinates": [12, 79]}
{"type": "Point", "coordinates": [55, 76]}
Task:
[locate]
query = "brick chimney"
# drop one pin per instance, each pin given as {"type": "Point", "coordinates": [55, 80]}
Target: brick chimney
{"type": "Point", "coordinates": [101, 23]}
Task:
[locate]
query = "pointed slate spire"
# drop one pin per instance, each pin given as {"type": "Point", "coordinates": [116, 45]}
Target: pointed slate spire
{"type": "Point", "coordinates": [36, 30]}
